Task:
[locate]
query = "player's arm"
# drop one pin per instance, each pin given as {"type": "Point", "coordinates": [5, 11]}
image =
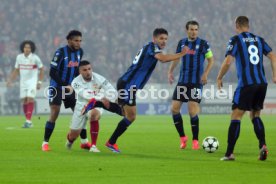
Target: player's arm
{"type": "Point", "coordinates": [272, 57]}
{"type": "Point", "coordinates": [41, 73]}
{"type": "Point", "coordinates": [223, 70]}
{"type": "Point", "coordinates": [12, 77]}
{"type": "Point", "coordinates": [210, 59]}
{"type": "Point", "coordinates": [54, 69]}
{"type": "Point", "coordinates": [171, 57]}
{"type": "Point", "coordinates": [171, 69]}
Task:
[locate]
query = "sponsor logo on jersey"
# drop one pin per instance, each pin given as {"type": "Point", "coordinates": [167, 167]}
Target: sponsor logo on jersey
{"type": "Point", "coordinates": [72, 64]}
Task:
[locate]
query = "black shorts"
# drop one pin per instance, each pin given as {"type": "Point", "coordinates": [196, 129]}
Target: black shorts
{"type": "Point", "coordinates": [188, 92]}
{"type": "Point", "coordinates": [249, 98]}
{"type": "Point", "coordinates": [126, 93]}
{"type": "Point", "coordinates": [55, 98]}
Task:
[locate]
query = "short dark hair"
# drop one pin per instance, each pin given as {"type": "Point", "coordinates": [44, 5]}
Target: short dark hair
{"type": "Point", "coordinates": [192, 22]}
{"type": "Point", "coordinates": [73, 33]}
{"type": "Point", "coordinates": [159, 31]}
{"type": "Point", "coordinates": [84, 63]}
{"type": "Point", "coordinates": [31, 43]}
{"type": "Point", "coordinates": [242, 21]}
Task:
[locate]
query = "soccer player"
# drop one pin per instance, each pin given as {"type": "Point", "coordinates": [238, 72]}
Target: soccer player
{"type": "Point", "coordinates": [191, 80]}
{"type": "Point", "coordinates": [27, 66]}
{"type": "Point", "coordinates": [248, 50]}
{"type": "Point", "coordinates": [86, 86]}
{"type": "Point", "coordinates": [136, 77]}
{"type": "Point", "coordinates": [64, 68]}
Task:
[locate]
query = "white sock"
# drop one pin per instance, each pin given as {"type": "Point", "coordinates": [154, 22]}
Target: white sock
{"type": "Point", "coordinates": [84, 141]}
{"type": "Point", "coordinates": [28, 121]}
{"type": "Point", "coordinates": [44, 143]}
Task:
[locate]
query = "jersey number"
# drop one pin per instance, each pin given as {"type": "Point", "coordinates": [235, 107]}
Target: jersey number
{"type": "Point", "coordinates": [137, 57]}
{"type": "Point", "coordinates": [253, 52]}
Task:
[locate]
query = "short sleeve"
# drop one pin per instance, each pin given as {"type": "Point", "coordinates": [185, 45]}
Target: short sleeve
{"type": "Point", "coordinates": [178, 48]}
{"type": "Point", "coordinates": [232, 47]}
{"type": "Point", "coordinates": [58, 56]}
{"type": "Point", "coordinates": [17, 62]}
{"type": "Point", "coordinates": [154, 49]}
{"type": "Point", "coordinates": [266, 48]}
{"type": "Point", "coordinates": [39, 62]}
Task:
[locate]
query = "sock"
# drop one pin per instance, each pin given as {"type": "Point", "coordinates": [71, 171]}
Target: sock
{"type": "Point", "coordinates": [29, 110]}
{"type": "Point", "coordinates": [178, 123]}
{"type": "Point", "coordinates": [49, 128]}
{"type": "Point", "coordinates": [94, 130]}
{"type": "Point", "coordinates": [84, 141]}
{"type": "Point", "coordinates": [114, 107]}
{"type": "Point", "coordinates": [25, 105]}
{"type": "Point", "coordinates": [233, 135]}
{"type": "Point", "coordinates": [259, 131]}
{"type": "Point", "coordinates": [195, 127]}
{"type": "Point", "coordinates": [121, 128]}
{"type": "Point", "coordinates": [70, 140]}
{"type": "Point", "coordinates": [83, 134]}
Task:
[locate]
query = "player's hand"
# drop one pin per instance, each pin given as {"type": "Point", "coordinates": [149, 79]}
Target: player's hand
{"type": "Point", "coordinates": [68, 89]}
{"type": "Point", "coordinates": [38, 86]}
{"type": "Point", "coordinates": [219, 84]}
{"type": "Point", "coordinates": [274, 80]}
{"type": "Point", "coordinates": [204, 79]}
{"type": "Point", "coordinates": [105, 102]}
{"type": "Point", "coordinates": [170, 78]}
{"type": "Point", "coordinates": [184, 50]}
{"type": "Point", "coordinates": [9, 84]}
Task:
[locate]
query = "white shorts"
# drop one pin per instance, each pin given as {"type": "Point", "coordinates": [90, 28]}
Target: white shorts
{"type": "Point", "coordinates": [79, 121]}
{"type": "Point", "coordinates": [27, 92]}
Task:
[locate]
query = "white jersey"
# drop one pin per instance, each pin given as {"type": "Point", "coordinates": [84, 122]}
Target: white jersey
{"type": "Point", "coordinates": [97, 88]}
{"type": "Point", "coordinates": [28, 70]}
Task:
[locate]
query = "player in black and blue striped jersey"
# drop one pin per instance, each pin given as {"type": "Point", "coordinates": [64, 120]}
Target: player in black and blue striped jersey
{"type": "Point", "coordinates": [248, 50]}
{"type": "Point", "coordinates": [136, 77]}
{"type": "Point", "coordinates": [63, 69]}
{"type": "Point", "coordinates": [191, 80]}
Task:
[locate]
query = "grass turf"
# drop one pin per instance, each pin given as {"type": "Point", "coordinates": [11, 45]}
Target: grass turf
{"type": "Point", "coordinates": [150, 153]}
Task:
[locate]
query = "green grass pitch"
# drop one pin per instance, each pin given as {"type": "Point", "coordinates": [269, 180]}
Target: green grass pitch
{"type": "Point", "coordinates": [150, 153]}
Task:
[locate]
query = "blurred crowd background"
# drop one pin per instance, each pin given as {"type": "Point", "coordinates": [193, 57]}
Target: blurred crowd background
{"type": "Point", "coordinates": [114, 30]}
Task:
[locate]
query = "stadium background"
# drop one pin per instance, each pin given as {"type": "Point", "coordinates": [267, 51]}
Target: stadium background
{"type": "Point", "coordinates": [113, 31]}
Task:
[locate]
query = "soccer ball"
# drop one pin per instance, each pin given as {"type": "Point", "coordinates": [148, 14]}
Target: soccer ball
{"type": "Point", "coordinates": [210, 144]}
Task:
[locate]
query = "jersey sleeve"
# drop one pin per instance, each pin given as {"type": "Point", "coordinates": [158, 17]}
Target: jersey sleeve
{"type": "Point", "coordinates": [178, 48]}
{"type": "Point", "coordinates": [17, 63]}
{"type": "Point", "coordinates": [266, 48]}
{"type": "Point", "coordinates": [39, 62]}
{"type": "Point", "coordinates": [58, 56]}
{"type": "Point", "coordinates": [154, 49]}
{"type": "Point", "coordinates": [232, 47]}
{"type": "Point", "coordinates": [207, 50]}
{"type": "Point", "coordinates": [106, 88]}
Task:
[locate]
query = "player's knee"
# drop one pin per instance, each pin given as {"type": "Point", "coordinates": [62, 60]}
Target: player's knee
{"type": "Point", "coordinates": [131, 117]}
{"type": "Point", "coordinates": [175, 110]}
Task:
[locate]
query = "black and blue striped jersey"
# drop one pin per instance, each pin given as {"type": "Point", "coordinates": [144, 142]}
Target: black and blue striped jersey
{"type": "Point", "coordinates": [248, 50]}
{"type": "Point", "coordinates": [65, 65]}
{"type": "Point", "coordinates": [192, 63]}
{"type": "Point", "coordinates": [142, 66]}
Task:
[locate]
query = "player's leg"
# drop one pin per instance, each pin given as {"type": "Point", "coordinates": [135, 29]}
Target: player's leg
{"type": "Point", "coordinates": [193, 108]}
{"type": "Point", "coordinates": [29, 105]}
{"type": "Point", "coordinates": [77, 123]}
{"type": "Point", "coordinates": [95, 115]}
{"type": "Point", "coordinates": [178, 122]}
{"type": "Point", "coordinates": [24, 99]}
{"type": "Point", "coordinates": [258, 124]}
{"type": "Point", "coordinates": [130, 115]}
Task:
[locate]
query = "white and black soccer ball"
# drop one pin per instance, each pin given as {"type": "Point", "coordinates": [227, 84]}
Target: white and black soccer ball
{"type": "Point", "coordinates": [210, 144]}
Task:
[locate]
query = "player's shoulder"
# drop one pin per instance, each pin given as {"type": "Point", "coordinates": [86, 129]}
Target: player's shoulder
{"type": "Point", "coordinates": [77, 79]}
{"type": "Point", "coordinates": [97, 76]}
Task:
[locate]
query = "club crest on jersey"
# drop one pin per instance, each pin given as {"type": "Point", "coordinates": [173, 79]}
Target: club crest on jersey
{"type": "Point", "coordinates": [197, 46]}
{"type": "Point", "coordinates": [78, 57]}
{"type": "Point", "coordinates": [72, 64]}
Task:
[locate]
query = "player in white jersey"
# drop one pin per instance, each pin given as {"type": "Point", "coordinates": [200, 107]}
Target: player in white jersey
{"type": "Point", "coordinates": [27, 67]}
{"type": "Point", "coordinates": [88, 85]}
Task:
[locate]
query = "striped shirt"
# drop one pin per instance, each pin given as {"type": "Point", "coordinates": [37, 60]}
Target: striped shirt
{"type": "Point", "coordinates": [248, 50]}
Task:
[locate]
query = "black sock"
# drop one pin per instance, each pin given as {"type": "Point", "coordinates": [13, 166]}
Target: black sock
{"type": "Point", "coordinates": [114, 107]}
{"type": "Point", "coordinates": [259, 130]}
{"type": "Point", "coordinates": [121, 128]}
{"type": "Point", "coordinates": [49, 128]}
{"type": "Point", "coordinates": [178, 123]}
{"type": "Point", "coordinates": [233, 135]}
{"type": "Point", "coordinates": [195, 126]}
{"type": "Point", "coordinates": [83, 134]}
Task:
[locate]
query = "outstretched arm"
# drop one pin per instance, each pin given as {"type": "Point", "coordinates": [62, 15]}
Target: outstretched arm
{"type": "Point", "coordinates": [171, 57]}
{"type": "Point", "coordinates": [224, 68]}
